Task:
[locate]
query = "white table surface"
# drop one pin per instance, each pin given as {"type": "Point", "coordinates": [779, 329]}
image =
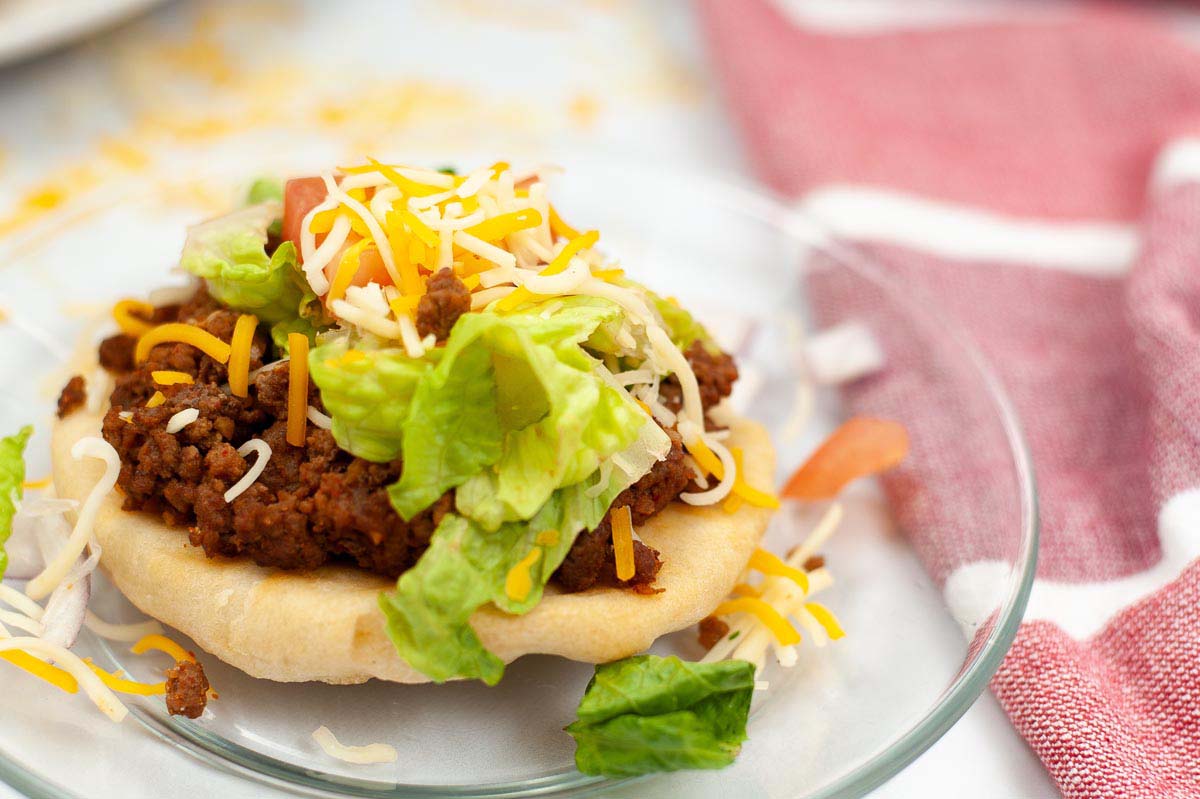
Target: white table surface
{"type": "Point", "coordinates": [616, 77]}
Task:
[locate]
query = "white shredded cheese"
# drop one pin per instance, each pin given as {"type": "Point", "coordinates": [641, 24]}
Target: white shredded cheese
{"type": "Point", "coordinates": [721, 489]}
{"type": "Point", "coordinates": [182, 419]}
{"type": "Point", "coordinates": [358, 755]}
{"type": "Point", "coordinates": [58, 569]}
{"type": "Point", "coordinates": [14, 598]}
{"type": "Point", "coordinates": [368, 219]}
{"type": "Point", "coordinates": [488, 252]}
{"type": "Point", "coordinates": [255, 471]}
{"type": "Point", "coordinates": [121, 632]}
{"type": "Point", "coordinates": [319, 419]}
{"type": "Point", "coordinates": [68, 661]}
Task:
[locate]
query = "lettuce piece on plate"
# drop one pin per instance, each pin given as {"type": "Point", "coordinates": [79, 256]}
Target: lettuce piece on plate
{"type": "Point", "coordinates": [648, 714]}
{"type": "Point", "coordinates": [12, 479]}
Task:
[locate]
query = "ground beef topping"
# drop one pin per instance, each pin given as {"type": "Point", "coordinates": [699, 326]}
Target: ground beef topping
{"type": "Point", "coordinates": [712, 630]}
{"type": "Point", "coordinates": [715, 373]}
{"type": "Point", "coordinates": [318, 504]}
{"type": "Point", "coordinates": [74, 394]}
{"type": "Point", "coordinates": [445, 299]}
{"type": "Point", "coordinates": [187, 689]}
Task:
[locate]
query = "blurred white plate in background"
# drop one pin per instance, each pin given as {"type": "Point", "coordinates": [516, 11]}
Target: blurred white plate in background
{"type": "Point", "coordinates": [29, 27]}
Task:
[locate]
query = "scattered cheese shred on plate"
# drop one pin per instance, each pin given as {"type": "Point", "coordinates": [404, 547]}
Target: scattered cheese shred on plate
{"type": "Point", "coordinates": [358, 755]}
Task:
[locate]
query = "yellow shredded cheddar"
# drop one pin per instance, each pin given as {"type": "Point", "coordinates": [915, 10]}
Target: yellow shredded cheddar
{"type": "Point", "coordinates": [156, 399]}
{"type": "Point", "coordinates": [121, 685]}
{"type": "Point", "coordinates": [44, 671]}
{"type": "Point", "coordinates": [347, 268]}
{"type": "Point", "coordinates": [409, 187]}
{"type": "Point", "coordinates": [609, 275]}
{"type": "Point", "coordinates": [239, 354]}
{"type": "Point", "coordinates": [734, 501]}
{"type": "Point", "coordinates": [560, 228]}
{"type": "Point", "coordinates": [622, 540]}
{"type": "Point", "coordinates": [131, 316]}
{"type": "Point", "coordinates": [826, 619]}
{"type": "Point", "coordinates": [547, 538]}
{"type": "Point", "coordinates": [573, 248]}
{"type": "Point", "coordinates": [167, 377]}
{"type": "Point", "coordinates": [745, 589]}
{"type": "Point", "coordinates": [161, 643]}
{"type": "Point", "coordinates": [503, 225]}
{"type": "Point", "coordinates": [518, 582]}
{"type": "Point", "coordinates": [198, 337]}
{"type": "Point", "coordinates": [471, 282]}
{"type": "Point", "coordinates": [42, 483]}
{"type": "Point", "coordinates": [710, 463]}
{"type": "Point", "coordinates": [772, 619]}
{"type": "Point", "coordinates": [422, 231]}
{"type": "Point", "coordinates": [769, 563]}
{"type": "Point", "coordinates": [499, 168]}
{"type": "Point", "coordinates": [297, 419]}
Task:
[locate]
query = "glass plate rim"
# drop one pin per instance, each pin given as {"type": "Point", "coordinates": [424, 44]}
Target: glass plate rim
{"type": "Point", "coordinates": [773, 209]}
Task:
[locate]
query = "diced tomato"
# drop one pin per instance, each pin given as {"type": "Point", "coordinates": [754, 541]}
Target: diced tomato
{"type": "Point", "coordinates": [300, 196]}
{"type": "Point", "coordinates": [370, 265]}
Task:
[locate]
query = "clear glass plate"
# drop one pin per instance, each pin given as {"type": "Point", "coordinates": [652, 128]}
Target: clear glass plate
{"type": "Point", "coordinates": [845, 719]}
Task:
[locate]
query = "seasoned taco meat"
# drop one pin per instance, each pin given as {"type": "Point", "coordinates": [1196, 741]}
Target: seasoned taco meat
{"type": "Point", "coordinates": [445, 299]}
{"type": "Point", "coordinates": [715, 372]}
{"type": "Point", "coordinates": [591, 561]}
{"type": "Point", "coordinates": [314, 504]}
{"type": "Point", "coordinates": [73, 395]}
{"type": "Point", "coordinates": [187, 689]}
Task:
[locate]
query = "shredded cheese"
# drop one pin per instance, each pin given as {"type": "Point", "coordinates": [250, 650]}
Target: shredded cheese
{"type": "Point", "coordinates": [319, 419]}
{"type": "Point", "coordinates": [198, 337]}
{"type": "Point", "coordinates": [518, 583]}
{"type": "Point", "coordinates": [358, 755]}
{"type": "Point", "coordinates": [771, 618]}
{"type": "Point", "coordinates": [745, 589]}
{"type": "Point", "coordinates": [561, 228]}
{"type": "Point", "coordinates": [254, 472]}
{"type": "Point", "coordinates": [160, 643]}
{"type": "Point", "coordinates": [69, 662]}
{"type": "Point", "coordinates": [166, 377]}
{"type": "Point", "coordinates": [156, 399]}
{"type": "Point", "coordinates": [59, 568]}
{"type": "Point", "coordinates": [121, 632]}
{"type": "Point", "coordinates": [42, 670]}
{"type": "Point", "coordinates": [123, 686]}
{"type": "Point", "coordinates": [132, 316]}
{"type": "Point", "coordinates": [239, 354]}
{"type": "Point", "coordinates": [622, 541]}
{"type": "Point", "coordinates": [769, 563]}
{"type": "Point", "coordinates": [297, 388]}
{"type": "Point", "coordinates": [826, 619]}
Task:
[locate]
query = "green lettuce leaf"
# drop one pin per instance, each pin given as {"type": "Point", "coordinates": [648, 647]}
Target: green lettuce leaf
{"type": "Point", "coordinates": [264, 190]}
{"type": "Point", "coordinates": [229, 252]}
{"type": "Point", "coordinates": [12, 479]}
{"type": "Point", "coordinates": [516, 407]}
{"type": "Point", "coordinates": [682, 326]}
{"type": "Point", "coordinates": [368, 393]}
{"type": "Point", "coordinates": [648, 714]}
{"type": "Point", "coordinates": [466, 566]}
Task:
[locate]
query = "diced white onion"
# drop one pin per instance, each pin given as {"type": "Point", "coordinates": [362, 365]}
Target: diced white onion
{"type": "Point", "coordinates": [182, 419]}
{"type": "Point", "coordinates": [58, 569]}
{"type": "Point", "coordinates": [256, 469]}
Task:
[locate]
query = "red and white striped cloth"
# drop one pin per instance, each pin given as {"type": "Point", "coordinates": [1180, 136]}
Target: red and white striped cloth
{"type": "Point", "coordinates": [1034, 176]}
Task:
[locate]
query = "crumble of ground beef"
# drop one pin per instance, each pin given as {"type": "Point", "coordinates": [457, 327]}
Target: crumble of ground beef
{"type": "Point", "coordinates": [715, 373]}
{"type": "Point", "coordinates": [74, 394]}
{"type": "Point", "coordinates": [712, 630]}
{"type": "Point", "coordinates": [187, 689]}
{"type": "Point", "coordinates": [445, 299]}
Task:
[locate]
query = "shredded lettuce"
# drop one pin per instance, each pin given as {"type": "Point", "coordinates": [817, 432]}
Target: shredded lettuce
{"type": "Point", "coordinates": [466, 566]}
{"type": "Point", "coordinates": [368, 393]}
{"type": "Point", "coordinates": [517, 394]}
{"type": "Point", "coordinates": [229, 252]}
{"type": "Point", "coordinates": [648, 714]}
{"type": "Point", "coordinates": [12, 479]}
